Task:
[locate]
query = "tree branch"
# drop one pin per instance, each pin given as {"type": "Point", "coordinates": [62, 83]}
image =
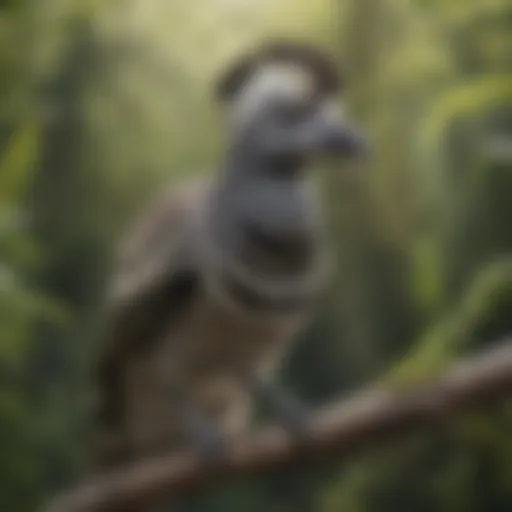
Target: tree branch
{"type": "Point", "coordinates": [363, 420]}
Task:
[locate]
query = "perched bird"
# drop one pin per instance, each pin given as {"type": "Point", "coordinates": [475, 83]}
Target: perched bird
{"type": "Point", "coordinates": [218, 277]}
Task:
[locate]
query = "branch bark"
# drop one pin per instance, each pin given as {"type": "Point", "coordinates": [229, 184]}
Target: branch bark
{"type": "Point", "coordinates": [358, 422]}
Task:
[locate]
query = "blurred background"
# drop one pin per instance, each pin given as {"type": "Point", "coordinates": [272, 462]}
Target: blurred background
{"type": "Point", "coordinates": [101, 102]}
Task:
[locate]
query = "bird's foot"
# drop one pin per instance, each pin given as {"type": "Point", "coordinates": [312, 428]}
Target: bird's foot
{"type": "Point", "coordinates": [211, 445]}
{"type": "Point", "coordinates": [205, 437]}
{"type": "Point", "coordinates": [291, 414]}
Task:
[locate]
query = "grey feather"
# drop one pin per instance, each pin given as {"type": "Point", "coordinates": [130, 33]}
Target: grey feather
{"type": "Point", "coordinates": [214, 284]}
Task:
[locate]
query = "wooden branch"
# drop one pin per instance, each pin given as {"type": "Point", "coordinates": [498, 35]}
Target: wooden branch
{"type": "Point", "coordinates": [365, 419]}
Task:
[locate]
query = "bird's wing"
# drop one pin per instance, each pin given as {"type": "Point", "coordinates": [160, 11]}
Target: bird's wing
{"type": "Point", "coordinates": [154, 279]}
{"type": "Point", "coordinates": [154, 264]}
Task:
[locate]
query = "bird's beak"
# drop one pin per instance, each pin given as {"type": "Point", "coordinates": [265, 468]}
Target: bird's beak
{"type": "Point", "coordinates": [341, 140]}
{"type": "Point", "coordinates": [335, 136]}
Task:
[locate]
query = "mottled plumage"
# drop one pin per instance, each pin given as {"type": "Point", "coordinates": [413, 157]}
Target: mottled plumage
{"type": "Point", "coordinates": [219, 276]}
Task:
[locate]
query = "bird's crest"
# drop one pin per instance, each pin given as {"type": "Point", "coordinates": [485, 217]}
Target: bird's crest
{"type": "Point", "coordinates": [325, 77]}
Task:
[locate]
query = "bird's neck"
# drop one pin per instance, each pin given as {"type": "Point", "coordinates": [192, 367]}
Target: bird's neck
{"type": "Point", "coordinates": [246, 162]}
{"type": "Point", "coordinates": [264, 214]}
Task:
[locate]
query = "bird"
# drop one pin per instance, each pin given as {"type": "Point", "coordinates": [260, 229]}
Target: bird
{"type": "Point", "coordinates": [219, 275]}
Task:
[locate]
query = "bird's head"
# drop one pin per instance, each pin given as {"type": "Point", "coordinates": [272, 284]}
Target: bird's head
{"type": "Point", "coordinates": [283, 105]}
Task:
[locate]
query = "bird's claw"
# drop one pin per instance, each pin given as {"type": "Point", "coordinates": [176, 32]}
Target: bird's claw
{"type": "Point", "coordinates": [294, 419]}
{"type": "Point", "coordinates": [211, 445]}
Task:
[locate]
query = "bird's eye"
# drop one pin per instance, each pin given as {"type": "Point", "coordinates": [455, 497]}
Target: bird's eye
{"type": "Point", "coordinates": [292, 114]}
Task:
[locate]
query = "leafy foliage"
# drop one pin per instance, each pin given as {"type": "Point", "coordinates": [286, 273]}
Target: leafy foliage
{"type": "Point", "coordinates": [103, 102]}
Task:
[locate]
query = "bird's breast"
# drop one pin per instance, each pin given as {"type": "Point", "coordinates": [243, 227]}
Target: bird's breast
{"type": "Point", "coordinates": [217, 344]}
